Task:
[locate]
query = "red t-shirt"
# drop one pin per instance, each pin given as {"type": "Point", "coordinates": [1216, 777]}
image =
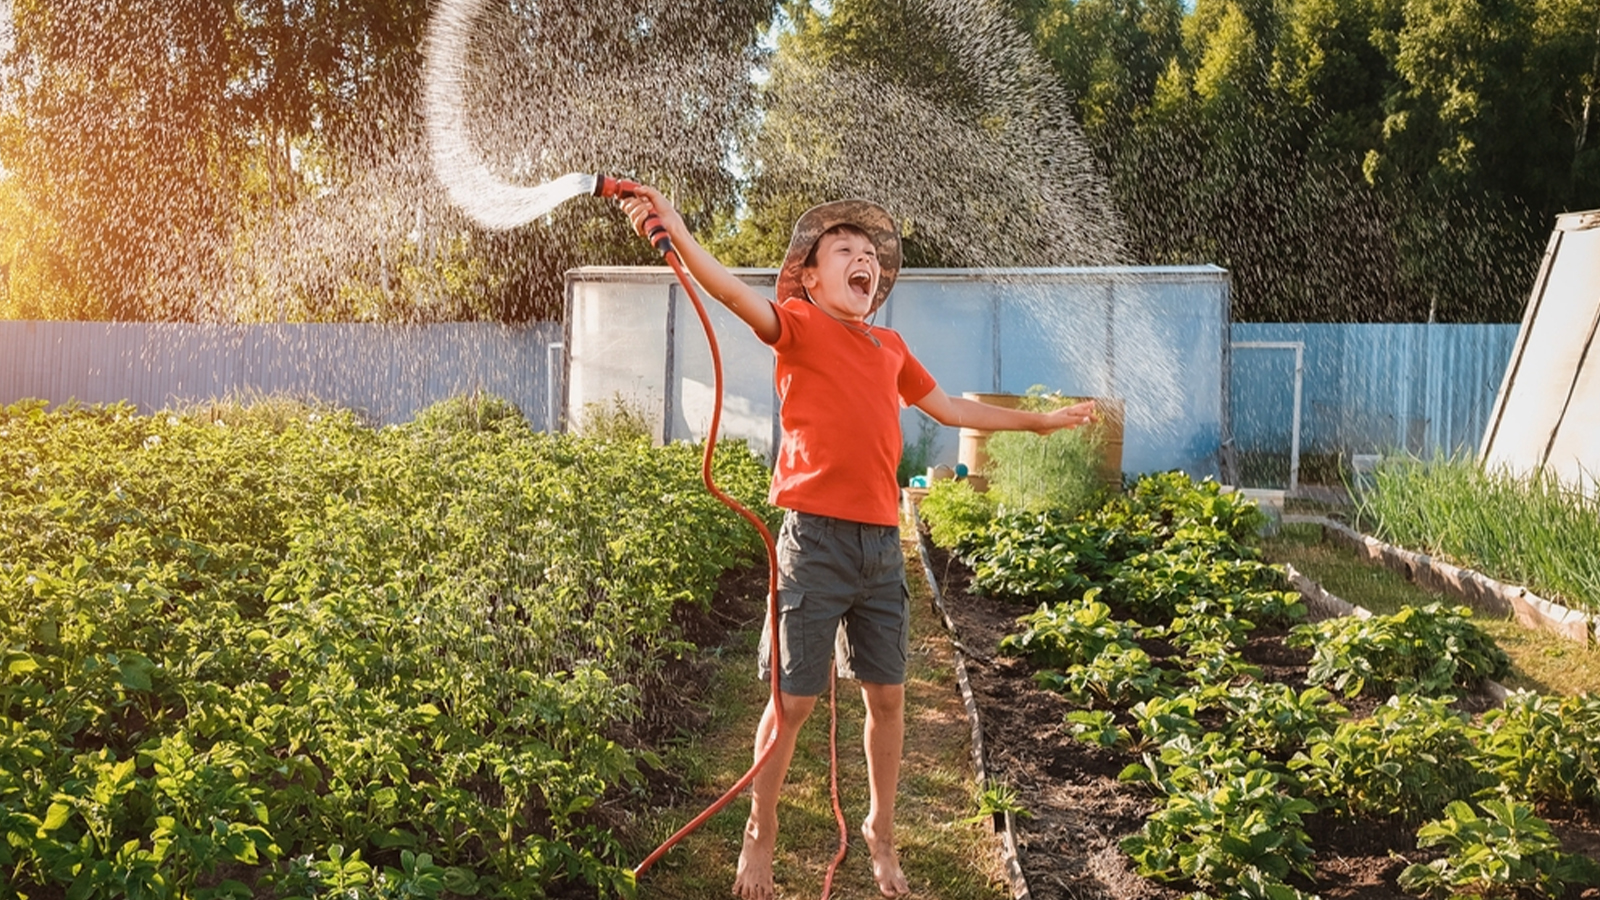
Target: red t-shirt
{"type": "Point", "coordinates": [840, 390]}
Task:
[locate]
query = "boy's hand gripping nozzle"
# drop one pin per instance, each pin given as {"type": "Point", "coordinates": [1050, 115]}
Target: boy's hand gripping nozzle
{"type": "Point", "coordinates": [618, 188]}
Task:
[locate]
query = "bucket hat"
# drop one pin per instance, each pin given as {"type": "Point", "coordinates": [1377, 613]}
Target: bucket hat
{"type": "Point", "coordinates": [871, 218]}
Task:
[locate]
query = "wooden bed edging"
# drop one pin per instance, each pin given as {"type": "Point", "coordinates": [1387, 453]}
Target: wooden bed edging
{"type": "Point", "coordinates": [1473, 588]}
{"type": "Point", "coordinates": [1005, 827]}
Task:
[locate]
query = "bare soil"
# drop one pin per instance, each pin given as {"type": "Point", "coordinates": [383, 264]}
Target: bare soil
{"type": "Point", "coordinates": [1068, 848]}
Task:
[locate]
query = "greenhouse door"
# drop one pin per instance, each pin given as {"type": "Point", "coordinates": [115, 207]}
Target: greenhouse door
{"type": "Point", "coordinates": [1265, 387]}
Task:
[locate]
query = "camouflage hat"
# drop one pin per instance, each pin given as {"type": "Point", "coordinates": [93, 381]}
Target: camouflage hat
{"type": "Point", "coordinates": [814, 222]}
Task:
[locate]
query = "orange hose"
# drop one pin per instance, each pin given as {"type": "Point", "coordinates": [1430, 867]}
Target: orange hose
{"type": "Point", "coordinates": [765, 753]}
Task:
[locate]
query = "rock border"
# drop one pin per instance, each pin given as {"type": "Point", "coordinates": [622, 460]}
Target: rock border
{"type": "Point", "coordinates": [1476, 589]}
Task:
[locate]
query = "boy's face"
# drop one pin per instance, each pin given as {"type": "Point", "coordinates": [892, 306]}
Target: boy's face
{"type": "Point", "coordinates": [845, 277]}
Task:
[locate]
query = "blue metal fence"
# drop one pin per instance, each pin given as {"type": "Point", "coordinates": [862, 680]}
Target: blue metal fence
{"type": "Point", "coordinates": [1364, 388]}
{"type": "Point", "coordinates": [387, 372]}
{"type": "Point", "coordinates": [1368, 388]}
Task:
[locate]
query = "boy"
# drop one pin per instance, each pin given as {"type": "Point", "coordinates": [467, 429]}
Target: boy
{"type": "Point", "coordinates": [841, 572]}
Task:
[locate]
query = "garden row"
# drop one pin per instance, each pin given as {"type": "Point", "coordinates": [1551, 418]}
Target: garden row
{"type": "Point", "coordinates": [1531, 530]}
{"type": "Point", "coordinates": [1142, 611]}
{"type": "Point", "coordinates": [273, 652]}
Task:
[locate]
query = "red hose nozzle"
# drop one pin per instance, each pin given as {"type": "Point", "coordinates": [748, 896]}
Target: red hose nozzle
{"type": "Point", "coordinates": [614, 187]}
{"type": "Point", "coordinates": [619, 188]}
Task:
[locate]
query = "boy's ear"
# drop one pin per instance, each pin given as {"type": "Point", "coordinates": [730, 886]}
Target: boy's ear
{"type": "Point", "coordinates": [808, 277]}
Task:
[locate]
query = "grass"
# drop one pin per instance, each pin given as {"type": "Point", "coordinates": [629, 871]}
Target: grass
{"type": "Point", "coordinates": [943, 855]}
{"type": "Point", "coordinates": [1540, 662]}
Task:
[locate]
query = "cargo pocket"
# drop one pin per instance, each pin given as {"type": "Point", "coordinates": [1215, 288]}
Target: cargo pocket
{"type": "Point", "coordinates": [797, 655]}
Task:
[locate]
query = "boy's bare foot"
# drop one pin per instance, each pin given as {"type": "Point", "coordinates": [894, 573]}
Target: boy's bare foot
{"type": "Point", "coordinates": [754, 878]}
{"type": "Point", "coordinates": [885, 864]}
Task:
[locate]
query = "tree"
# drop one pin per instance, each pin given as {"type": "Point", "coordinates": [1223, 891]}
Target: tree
{"type": "Point", "coordinates": [1109, 55]}
{"type": "Point", "coordinates": [1474, 150]}
{"type": "Point", "coordinates": [942, 112]}
{"type": "Point", "coordinates": [124, 141]}
{"type": "Point", "coordinates": [262, 158]}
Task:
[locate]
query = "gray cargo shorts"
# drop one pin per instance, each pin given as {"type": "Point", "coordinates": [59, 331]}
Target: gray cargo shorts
{"type": "Point", "coordinates": [841, 595]}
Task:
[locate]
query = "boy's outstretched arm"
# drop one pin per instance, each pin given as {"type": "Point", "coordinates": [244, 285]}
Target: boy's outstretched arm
{"type": "Point", "coordinates": [960, 412]}
{"type": "Point", "coordinates": [746, 302]}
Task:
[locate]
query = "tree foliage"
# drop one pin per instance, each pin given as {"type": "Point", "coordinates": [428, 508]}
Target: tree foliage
{"type": "Point", "coordinates": [939, 110]}
{"type": "Point", "coordinates": [263, 159]}
{"type": "Point", "coordinates": [1376, 160]}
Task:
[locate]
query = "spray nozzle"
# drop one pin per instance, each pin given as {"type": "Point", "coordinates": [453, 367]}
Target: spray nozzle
{"type": "Point", "coordinates": [619, 188]}
{"type": "Point", "coordinates": [614, 187]}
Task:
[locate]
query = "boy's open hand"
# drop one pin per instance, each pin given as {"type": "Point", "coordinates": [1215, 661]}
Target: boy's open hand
{"type": "Point", "coordinates": [1075, 416]}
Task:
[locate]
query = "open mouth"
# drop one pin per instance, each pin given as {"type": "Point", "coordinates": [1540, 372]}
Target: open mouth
{"type": "Point", "coordinates": [861, 283]}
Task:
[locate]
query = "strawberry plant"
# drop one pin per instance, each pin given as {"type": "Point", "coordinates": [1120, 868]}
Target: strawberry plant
{"type": "Point", "coordinates": [1098, 727]}
{"type": "Point", "coordinates": [1119, 673]}
{"type": "Point", "coordinates": [1161, 719]}
{"type": "Point", "coordinates": [1409, 759]}
{"type": "Point", "coordinates": [1505, 852]}
{"type": "Point", "coordinates": [1068, 634]}
{"type": "Point", "coordinates": [1212, 834]}
{"type": "Point", "coordinates": [1046, 556]}
{"type": "Point", "coordinates": [1168, 502]}
{"type": "Point", "coordinates": [1430, 650]}
{"type": "Point", "coordinates": [1235, 761]}
{"type": "Point", "coordinates": [1545, 748]}
{"type": "Point", "coordinates": [1274, 718]}
{"type": "Point", "coordinates": [1187, 576]}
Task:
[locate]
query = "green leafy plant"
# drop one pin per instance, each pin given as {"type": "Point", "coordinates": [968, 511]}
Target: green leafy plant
{"type": "Point", "coordinates": [1169, 502]}
{"type": "Point", "coordinates": [1410, 758]}
{"type": "Point", "coordinates": [1119, 673]}
{"type": "Point", "coordinates": [619, 419]}
{"type": "Point", "coordinates": [1045, 556]}
{"type": "Point", "coordinates": [1162, 719]}
{"type": "Point", "coordinates": [1275, 718]}
{"type": "Point", "coordinates": [1059, 471]}
{"type": "Point", "coordinates": [231, 642]}
{"type": "Point", "coordinates": [1242, 826]}
{"type": "Point", "coordinates": [477, 411]}
{"type": "Point", "coordinates": [1505, 852]}
{"type": "Point", "coordinates": [1098, 727]}
{"type": "Point", "coordinates": [1068, 634]}
{"type": "Point", "coordinates": [1533, 530]}
{"type": "Point", "coordinates": [954, 512]}
{"type": "Point", "coordinates": [994, 800]}
{"type": "Point", "coordinates": [1545, 748]}
{"type": "Point", "coordinates": [1430, 650]}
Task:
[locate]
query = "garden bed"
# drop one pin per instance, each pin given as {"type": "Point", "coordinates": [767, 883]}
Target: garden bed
{"type": "Point", "coordinates": [1078, 811]}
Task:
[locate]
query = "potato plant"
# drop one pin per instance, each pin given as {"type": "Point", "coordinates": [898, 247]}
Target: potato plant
{"type": "Point", "coordinates": [250, 654]}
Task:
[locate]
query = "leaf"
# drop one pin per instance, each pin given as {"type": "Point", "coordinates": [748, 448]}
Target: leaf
{"type": "Point", "coordinates": [20, 663]}
{"type": "Point", "coordinates": [395, 837]}
{"type": "Point", "coordinates": [134, 672]}
{"type": "Point", "coordinates": [1136, 773]}
{"type": "Point", "coordinates": [55, 817]}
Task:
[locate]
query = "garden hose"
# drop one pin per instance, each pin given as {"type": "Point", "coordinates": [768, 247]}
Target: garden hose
{"type": "Point", "coordinates": [656, 233]}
